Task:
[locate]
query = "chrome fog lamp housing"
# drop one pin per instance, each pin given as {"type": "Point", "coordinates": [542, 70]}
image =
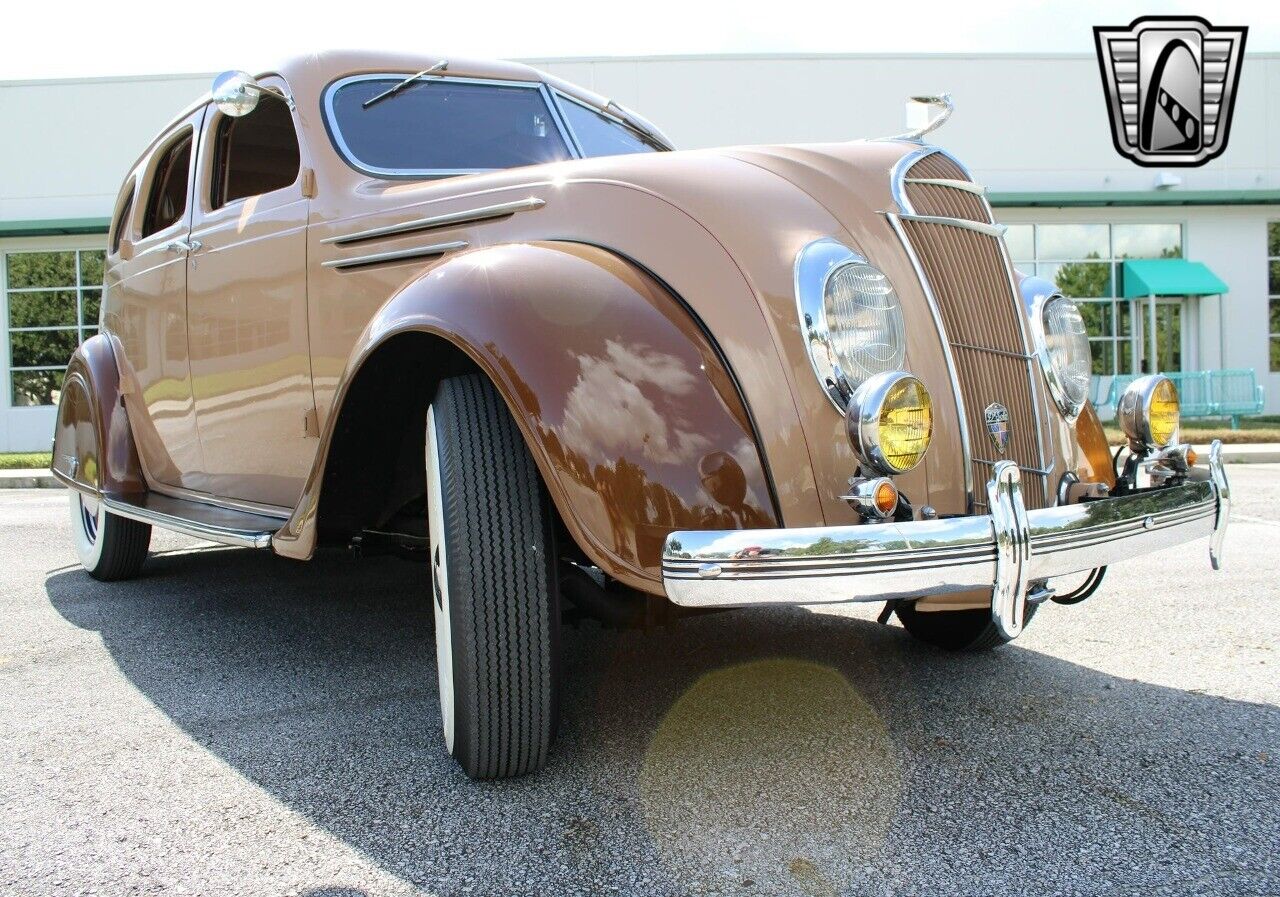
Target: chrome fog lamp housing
{"type": "Point", "coordinates": [890, 422]}
{"type": "Point", "coordinates": [1061, 343]}
{"type": "Point", "coordinates": [1149, 413]}
{"type": "Point", "coordinates": [850, 317]}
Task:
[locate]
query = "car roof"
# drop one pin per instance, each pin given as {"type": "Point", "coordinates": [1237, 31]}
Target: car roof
{"type": "Point", "coordinates": [307, 75]}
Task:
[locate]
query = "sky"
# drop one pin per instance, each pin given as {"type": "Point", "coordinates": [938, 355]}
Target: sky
{"type": "Point", "coordinates": [73, 38]}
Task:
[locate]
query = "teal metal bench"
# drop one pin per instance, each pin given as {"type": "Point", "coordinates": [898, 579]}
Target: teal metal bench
{"type": "Point", "coordinates": [1230, 393]}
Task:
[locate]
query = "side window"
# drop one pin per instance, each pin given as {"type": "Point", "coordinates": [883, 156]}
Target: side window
{"type": "Point", "coordinates": [168, 200]}
{"type": "Point", "coordinates": [600, 135]}
{"type": "Point", "coordinates": [254, 154]}
{"type": "Point", "coordinates": [121, 224]}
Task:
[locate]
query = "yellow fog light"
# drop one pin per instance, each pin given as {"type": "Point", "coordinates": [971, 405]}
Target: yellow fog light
{"type": "Point", "coordinates": [890, 422]}
{"type": "Point", "coordinates": [1148, 412]}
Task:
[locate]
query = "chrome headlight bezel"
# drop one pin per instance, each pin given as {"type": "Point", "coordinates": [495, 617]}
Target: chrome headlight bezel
{"type": "Point", "coordinates": [816, 264]}
{"type": "Point", "coordinates": [1037, 293]}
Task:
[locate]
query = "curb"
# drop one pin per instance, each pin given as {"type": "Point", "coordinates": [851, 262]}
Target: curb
{"type": "Point", "coordinates": [1245, 453]}
{"type": "Point", "coordinates": [28, 479]}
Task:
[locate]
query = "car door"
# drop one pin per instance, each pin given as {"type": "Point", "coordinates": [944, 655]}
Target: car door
{"type": "Point", "coordinates": [247, 305]}
{"type": "Point", "coordinates": [151, 321]}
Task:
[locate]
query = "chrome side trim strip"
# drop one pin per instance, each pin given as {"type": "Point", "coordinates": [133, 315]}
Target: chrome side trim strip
{"type": "Point", "coordinates": [397, 255]}
{"type": "Point", "coordinates": [466, 216]}
{"type": "Point", "coordinates": [243, 538]}
{"type": "Point", "coordinates": [227, 504]}
{"type": "Point", "coordinates": [991, 230]}
{"type": "Point", "coordinates": [896, 223]}
{"type": "Point", "coordinates": [967, 186]}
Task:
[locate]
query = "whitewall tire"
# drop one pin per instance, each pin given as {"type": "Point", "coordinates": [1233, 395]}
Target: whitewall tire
{"type": "Point", "coordinates": [494, 589]}
{"type": "Point", "coordinates": [110, 547]}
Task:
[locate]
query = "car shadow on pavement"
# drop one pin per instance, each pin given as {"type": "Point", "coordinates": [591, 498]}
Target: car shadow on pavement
{"type": "Point", "coordinates": [777, 751]}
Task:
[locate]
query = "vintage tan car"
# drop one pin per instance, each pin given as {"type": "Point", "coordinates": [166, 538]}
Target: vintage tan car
{"type": "Point", "coordinates": [468, 312]}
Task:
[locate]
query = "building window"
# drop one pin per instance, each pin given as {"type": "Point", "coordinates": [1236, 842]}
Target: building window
{"type": "Point", "coordinates": [1273, 290]}
{"type": "Point", "coordinates": [1084, 260]}
{"type": "Point", "coordinates": [53, 300]}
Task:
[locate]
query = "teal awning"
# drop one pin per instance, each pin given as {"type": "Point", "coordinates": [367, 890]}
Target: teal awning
{"type": "Point", "coordinates": [46, 227]}
{"type": "Point", "coordinates": [1170, 277]}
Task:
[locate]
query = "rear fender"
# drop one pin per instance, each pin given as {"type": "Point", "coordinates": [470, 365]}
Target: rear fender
{"type": "Point", "coordinates": [631, 416]}
{"type": "Point", "coordinates": [93, 448]}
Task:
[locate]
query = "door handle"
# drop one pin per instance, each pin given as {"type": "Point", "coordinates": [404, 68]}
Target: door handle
{"type": "Point", "coordinates": [183, 246]}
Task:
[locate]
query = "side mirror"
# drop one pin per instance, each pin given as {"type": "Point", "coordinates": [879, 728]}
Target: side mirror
{"type": "Point", "coordinates": [235, 93]}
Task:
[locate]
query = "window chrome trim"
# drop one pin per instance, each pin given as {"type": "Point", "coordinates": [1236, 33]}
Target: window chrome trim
{"type": "Point", "coordinates": [344, 150]}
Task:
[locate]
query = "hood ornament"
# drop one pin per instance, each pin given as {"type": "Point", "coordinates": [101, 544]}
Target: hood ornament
{"type": "Point", "coordinates": [921, 117]}
{"type": "Point", "coordinates": [997, 417]}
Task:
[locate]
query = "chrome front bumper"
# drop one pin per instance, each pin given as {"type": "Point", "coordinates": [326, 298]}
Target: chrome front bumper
{"type": "Point", "coordinates": [1003, 551]}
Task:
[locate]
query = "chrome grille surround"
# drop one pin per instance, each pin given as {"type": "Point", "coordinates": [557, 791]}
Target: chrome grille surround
{"type": "Point", "coordinates": [959, 255]}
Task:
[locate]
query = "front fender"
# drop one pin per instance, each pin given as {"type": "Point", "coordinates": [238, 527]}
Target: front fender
{"type": "Point", "coordinates": [626, 406]}
{"type": "Point", "coordinates": [93, 448]}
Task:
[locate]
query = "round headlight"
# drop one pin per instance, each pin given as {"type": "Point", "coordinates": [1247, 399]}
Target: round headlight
{"type": "Point", "coordinates": [890, 422]}
{"type": "Point", "coordinates": [1148, 412]}
{"type": "Point", "coordinates": [850, 316]}
{"type": "Point", "coordinates": [1067, 361]}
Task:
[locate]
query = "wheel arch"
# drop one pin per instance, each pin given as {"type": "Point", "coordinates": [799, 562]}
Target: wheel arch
{"type": "Point", "coordinates": [631, 416]}
{"type": "Point", "coordinates": [93, 447]}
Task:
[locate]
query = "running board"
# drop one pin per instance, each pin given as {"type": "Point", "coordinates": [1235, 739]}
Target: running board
{"type": "Point", "coordinates": [191, 518]}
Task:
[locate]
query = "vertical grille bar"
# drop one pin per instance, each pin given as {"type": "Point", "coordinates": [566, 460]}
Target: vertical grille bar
{"type": "Point", "coordinates": [968, 275]}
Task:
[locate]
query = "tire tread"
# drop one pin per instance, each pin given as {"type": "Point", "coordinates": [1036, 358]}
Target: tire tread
{"type": "Point", "coordinates": [502, 583]}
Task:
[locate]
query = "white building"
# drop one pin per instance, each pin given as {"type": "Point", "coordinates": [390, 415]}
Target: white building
{"type": "Point", "coordinates": [1033, 128]}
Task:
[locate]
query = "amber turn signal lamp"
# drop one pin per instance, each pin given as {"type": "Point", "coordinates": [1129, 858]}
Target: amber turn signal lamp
{"type": "Point", "coordinates": [886, 498]}
{"type": "Point", "coordinates": [874, 499]}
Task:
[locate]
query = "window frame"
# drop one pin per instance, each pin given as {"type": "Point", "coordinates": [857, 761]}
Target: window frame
{"type": "Point", "coordinates": [83, 329]}
{"type": "Point", "coordinates": [603, 113]}
{"type": "Point", "coordinates": [209, 201]}
{"type": "Point", "coordinates": [1119, 305]}
{"type": "Point", "coordinates": [122, 220]}
{"type": "Point", "coordinates": [187, 131]}
{"type": "Point", "coordinates": [344, 151]}
{"type": "Point", "coordinates": [1273, 299]}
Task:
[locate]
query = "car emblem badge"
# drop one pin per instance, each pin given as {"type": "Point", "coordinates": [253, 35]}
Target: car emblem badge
{"type": "Point", "coordinates": [1171, 84]}
{"type": "Point", "coordinates": [998, 425]}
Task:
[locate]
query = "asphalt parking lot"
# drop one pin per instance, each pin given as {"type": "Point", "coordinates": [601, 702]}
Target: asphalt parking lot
{"type": "Point", "coordinates": [234, 723]}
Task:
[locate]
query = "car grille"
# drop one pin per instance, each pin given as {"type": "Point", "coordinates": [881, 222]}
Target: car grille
{"type": "Point", "coordinates": [968, 276]}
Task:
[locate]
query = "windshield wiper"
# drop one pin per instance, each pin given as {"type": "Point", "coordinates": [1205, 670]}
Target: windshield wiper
{"type": "Point", "coordinates": [391, 91]}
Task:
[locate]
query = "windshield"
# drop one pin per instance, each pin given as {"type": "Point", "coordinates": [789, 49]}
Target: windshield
{"type": "Point", "coordinates": [441, 126]}
{"type": "Point", "coordinates": [600, 135]}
